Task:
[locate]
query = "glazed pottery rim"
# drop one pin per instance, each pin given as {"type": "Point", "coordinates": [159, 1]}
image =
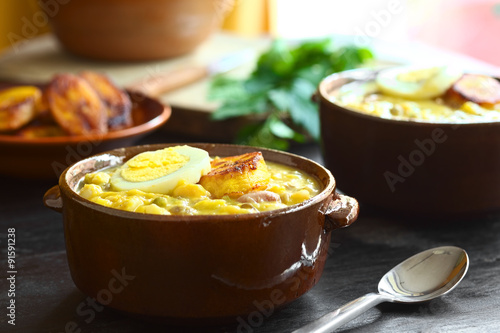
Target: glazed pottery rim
{"type": "Point", "coordinates": [353, 75]}
{"type": "Point", "coordinates": [141, 128]}
{"type": "Point", "coordinates": [327, 190]}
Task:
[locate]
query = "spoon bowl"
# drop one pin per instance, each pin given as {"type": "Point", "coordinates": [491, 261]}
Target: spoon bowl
{"type": "Point", "coordinates": [426, 275]}
{"type": "Point", "coordinates": [420, 278]}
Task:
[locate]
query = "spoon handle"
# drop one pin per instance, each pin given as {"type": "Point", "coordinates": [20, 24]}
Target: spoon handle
{"type": "Point", "coordinates": [342, 315]}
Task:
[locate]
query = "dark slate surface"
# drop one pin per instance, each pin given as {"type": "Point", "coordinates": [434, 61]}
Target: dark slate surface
{"type": "Point", "coordinates": [46, 298]}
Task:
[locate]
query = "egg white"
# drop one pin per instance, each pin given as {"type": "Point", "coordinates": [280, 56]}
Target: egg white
{"type": "Point", "coordinates": [417, 82]}
{"type": "Point", "coordinates": [191, 172]}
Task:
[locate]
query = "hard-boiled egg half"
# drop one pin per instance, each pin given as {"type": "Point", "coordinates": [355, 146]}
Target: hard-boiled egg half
{"type": "Point", "coordinates": [161, 171]}
{"type": "Point", "coordinates": [417, 82]}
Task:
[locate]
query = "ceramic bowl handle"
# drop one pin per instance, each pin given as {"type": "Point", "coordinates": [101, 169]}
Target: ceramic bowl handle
{"type": "Point", "coordinates": [53, 200]}
{"type": "Point", "coordinates": [340, 212]}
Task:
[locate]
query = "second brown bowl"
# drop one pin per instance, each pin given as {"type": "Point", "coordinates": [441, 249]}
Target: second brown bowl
{"type": "Point", "coordinates": [412, 168]}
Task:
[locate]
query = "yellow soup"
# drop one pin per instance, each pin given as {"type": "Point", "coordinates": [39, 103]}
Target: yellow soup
{"type": "Point", "coordinates": [287, 186]}
{"type": "Point", "coordinates": [365, 98]}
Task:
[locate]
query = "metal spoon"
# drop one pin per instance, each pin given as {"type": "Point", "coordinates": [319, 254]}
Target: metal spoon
{"type": "Point", "coordinates": [422, 277]}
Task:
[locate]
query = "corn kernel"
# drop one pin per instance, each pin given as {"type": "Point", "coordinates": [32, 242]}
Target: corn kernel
{"type": "Point", "coordinates": [152, 209]}
{"type": "Point", "coordinates": [128, 203]}
{"type": "Point", "coordinates": [90, 190]}
{"type": "Point", "coordinates": [298, 197]}
{"type": "Point", "coordinates": [209, 205]}
{"type": "Point", "coordinates": [277, 189]}
{"type": "Point", "coordinates": [190, 191]}
{"type": "Point", "coordinates": [101, 201]}
{"type": "Point", "coordinates": [472, 108]}
{"type": "Point", "coordinates": [98, 178]}
{"type": "Point", "coordinates": [135, 192]}
{"type": "Point", "coordinates": [232, 210]}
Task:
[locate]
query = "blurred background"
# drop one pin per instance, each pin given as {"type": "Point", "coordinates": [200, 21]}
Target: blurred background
{"type": "Point", "coordinates": [470, 27]}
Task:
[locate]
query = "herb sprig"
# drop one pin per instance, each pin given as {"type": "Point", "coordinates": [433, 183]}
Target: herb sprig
{"type": "Point", "coordinates": [278, 92]}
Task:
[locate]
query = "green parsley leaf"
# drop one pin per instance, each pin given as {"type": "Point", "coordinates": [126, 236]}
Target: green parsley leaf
{"type": "Point", "coordinates": [279, 90]}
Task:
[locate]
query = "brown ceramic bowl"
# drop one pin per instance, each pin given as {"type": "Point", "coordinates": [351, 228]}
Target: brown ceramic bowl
{"type": "Point", "coordinates": [405, 167]}
{"type": "Point", "coordinates": [197, 269]}
{"type": "Point", "coordinates": [134, 30]}
{"type": "Point", "coordinates": [48, 157]}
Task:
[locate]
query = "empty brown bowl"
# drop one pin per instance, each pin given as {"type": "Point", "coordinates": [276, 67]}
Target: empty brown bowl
{"type": "Point", "coordinates": [406, 167]}
{"type": "Point", "coordinates": [202, 268]}
{"type": "Point", "coordinates": [134, 30]}
{"type": "Point", "coordinates": [47, 157]}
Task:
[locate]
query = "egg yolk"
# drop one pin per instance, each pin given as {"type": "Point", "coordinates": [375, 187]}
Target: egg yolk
{"type": "Point", "coordinates": [153, 165]}
{"type": "Point", "coordinates": [418, 75]}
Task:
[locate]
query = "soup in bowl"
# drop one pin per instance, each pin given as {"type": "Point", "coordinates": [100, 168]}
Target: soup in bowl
{"type": "Point", "coordinates": [262, 236]}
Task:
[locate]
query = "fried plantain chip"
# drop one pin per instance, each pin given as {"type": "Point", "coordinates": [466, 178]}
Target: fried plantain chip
{"type": "Point", "coordinates": [18, 106]}
{"type": "Point", "coordinates": [480, 89]}
{"type": "Point", "coordinates": [40, 131]}
{"type": "Point", "coordinates": [76, 106]}
{"type": "Point", "coordinates": [118, 103]}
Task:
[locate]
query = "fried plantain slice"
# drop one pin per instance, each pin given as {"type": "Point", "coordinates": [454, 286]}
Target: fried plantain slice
{"type": "Point", "coordinates": [18, 106]}
{"type": "Point", "coordinates": [117, 102]}
{"type": "Point", "coordinates": [76, 106]}
{"type": "Point", "coordinates": [480, 89]}
{"type": "Point", "coordinates": [43, 108]}
{"type": "Point", "coordinates": [236, 175]}
{"type": "Point", "coordinates": [40, 131]}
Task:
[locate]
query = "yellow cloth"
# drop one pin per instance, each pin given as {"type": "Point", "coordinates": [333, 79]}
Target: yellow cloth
{"type": "Point", "coordinates": [249, 17]}
{"type": "Point", "coordinates": [20, 20]}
